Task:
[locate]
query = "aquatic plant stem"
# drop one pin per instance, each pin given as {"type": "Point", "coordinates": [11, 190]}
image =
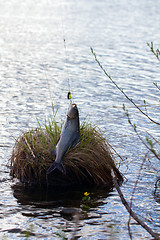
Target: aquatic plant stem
{"type": "Point", "coordinates": [121, 90]}
{"type": "Point", "coordinates": [132, 214]}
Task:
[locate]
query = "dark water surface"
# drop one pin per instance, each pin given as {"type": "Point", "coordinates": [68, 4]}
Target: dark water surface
{"type": "Point", "coordinates": [34, 72]}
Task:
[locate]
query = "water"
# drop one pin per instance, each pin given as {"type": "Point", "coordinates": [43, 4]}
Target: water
{"type": "Point", "coordinates": [34, 72]}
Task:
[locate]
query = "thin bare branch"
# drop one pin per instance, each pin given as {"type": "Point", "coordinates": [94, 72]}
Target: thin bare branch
{"type": "Point", "coordinates": [149, 148]}
{"type": "Point", "coordinates": [156, 141]}
{"type": "Point", "coordinates": [121, 90]}
{"type": "Point", "coordinates": [134, 189]}
{"type": "Point", "coordinates": [133, 215]}
{"type": "Point", "coordinates": [116, 152]}
{"type": "Point", "coordinates": [156, 53]}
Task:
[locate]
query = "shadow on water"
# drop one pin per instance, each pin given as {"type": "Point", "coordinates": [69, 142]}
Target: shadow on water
{"type": "Point", "coordinates": [65, 202]}
{"type": "Point", "coordinates": [52, 197]}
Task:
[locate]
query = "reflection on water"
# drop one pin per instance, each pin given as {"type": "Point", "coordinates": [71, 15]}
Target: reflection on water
{"type": "Point", "coordinates": [34, 72]}
{"type": "Point", "coordinates": [59, 206]}
{"type": "Point", "coordinates": [49, 198]}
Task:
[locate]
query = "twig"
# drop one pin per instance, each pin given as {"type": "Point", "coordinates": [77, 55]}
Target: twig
{"type": "Point", "coordinates": [116, 152]}
{"type": "Point", "coordinates": [121, 90]}
{"type": "Point", "coordinates": [157, 53]}
{"type": "Point", "coordinates": [156, 141]}
{"type": "Point", "coordinates": [133, 215]}
{"type": "Point", "coordinates": [150, 149]}
{"type": "Point", "coordinates": [135, 129]}
{"type": "Point", "coordinates": [134, 189]}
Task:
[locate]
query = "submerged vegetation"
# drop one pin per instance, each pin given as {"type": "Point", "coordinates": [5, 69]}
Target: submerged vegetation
{"type": "Point", "coordinates": [89, 162]}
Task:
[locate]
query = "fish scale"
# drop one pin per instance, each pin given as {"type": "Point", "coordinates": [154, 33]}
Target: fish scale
{"type": "Point", "coordinates": [69, 137]}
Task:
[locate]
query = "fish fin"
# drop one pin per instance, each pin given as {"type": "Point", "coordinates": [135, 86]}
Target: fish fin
{"type": "Point", "coordinates": [54, 152]}
{"type": "Point", "coordinates": [55, 165]}
{"type": "Point", "coordinates": [61, 168]}
{"type": "Point", "coordinates": [76, 140]}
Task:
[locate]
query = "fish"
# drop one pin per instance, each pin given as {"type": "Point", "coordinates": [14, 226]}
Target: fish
{"type": "Point", "coordinates": [69, 137]}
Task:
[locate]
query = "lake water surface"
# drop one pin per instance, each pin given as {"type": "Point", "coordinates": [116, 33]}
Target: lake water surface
{"type": "Point", "coordinates": [34, 71]}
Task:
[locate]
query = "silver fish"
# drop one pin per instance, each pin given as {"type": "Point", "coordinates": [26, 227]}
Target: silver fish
{"type": "Point", "coordinates": [69, 137]}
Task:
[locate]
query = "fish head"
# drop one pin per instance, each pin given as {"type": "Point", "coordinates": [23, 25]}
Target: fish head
{"type": "Point", "coordinates": [73, 112]}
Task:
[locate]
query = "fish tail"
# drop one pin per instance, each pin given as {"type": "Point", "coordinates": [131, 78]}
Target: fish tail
{"type": "Point", "coordinates": [55, 165]}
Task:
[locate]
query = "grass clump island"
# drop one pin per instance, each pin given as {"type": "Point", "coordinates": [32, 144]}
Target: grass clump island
{"type": "Point", "coordinates": [88, 163]}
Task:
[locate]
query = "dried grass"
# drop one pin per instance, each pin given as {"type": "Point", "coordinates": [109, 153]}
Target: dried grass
{"type": "Point", "coordinates": [88, 163]}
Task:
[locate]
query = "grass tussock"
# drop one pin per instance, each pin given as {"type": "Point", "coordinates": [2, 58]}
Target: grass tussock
{"type": "Point", "coordinates": [89, 162]}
